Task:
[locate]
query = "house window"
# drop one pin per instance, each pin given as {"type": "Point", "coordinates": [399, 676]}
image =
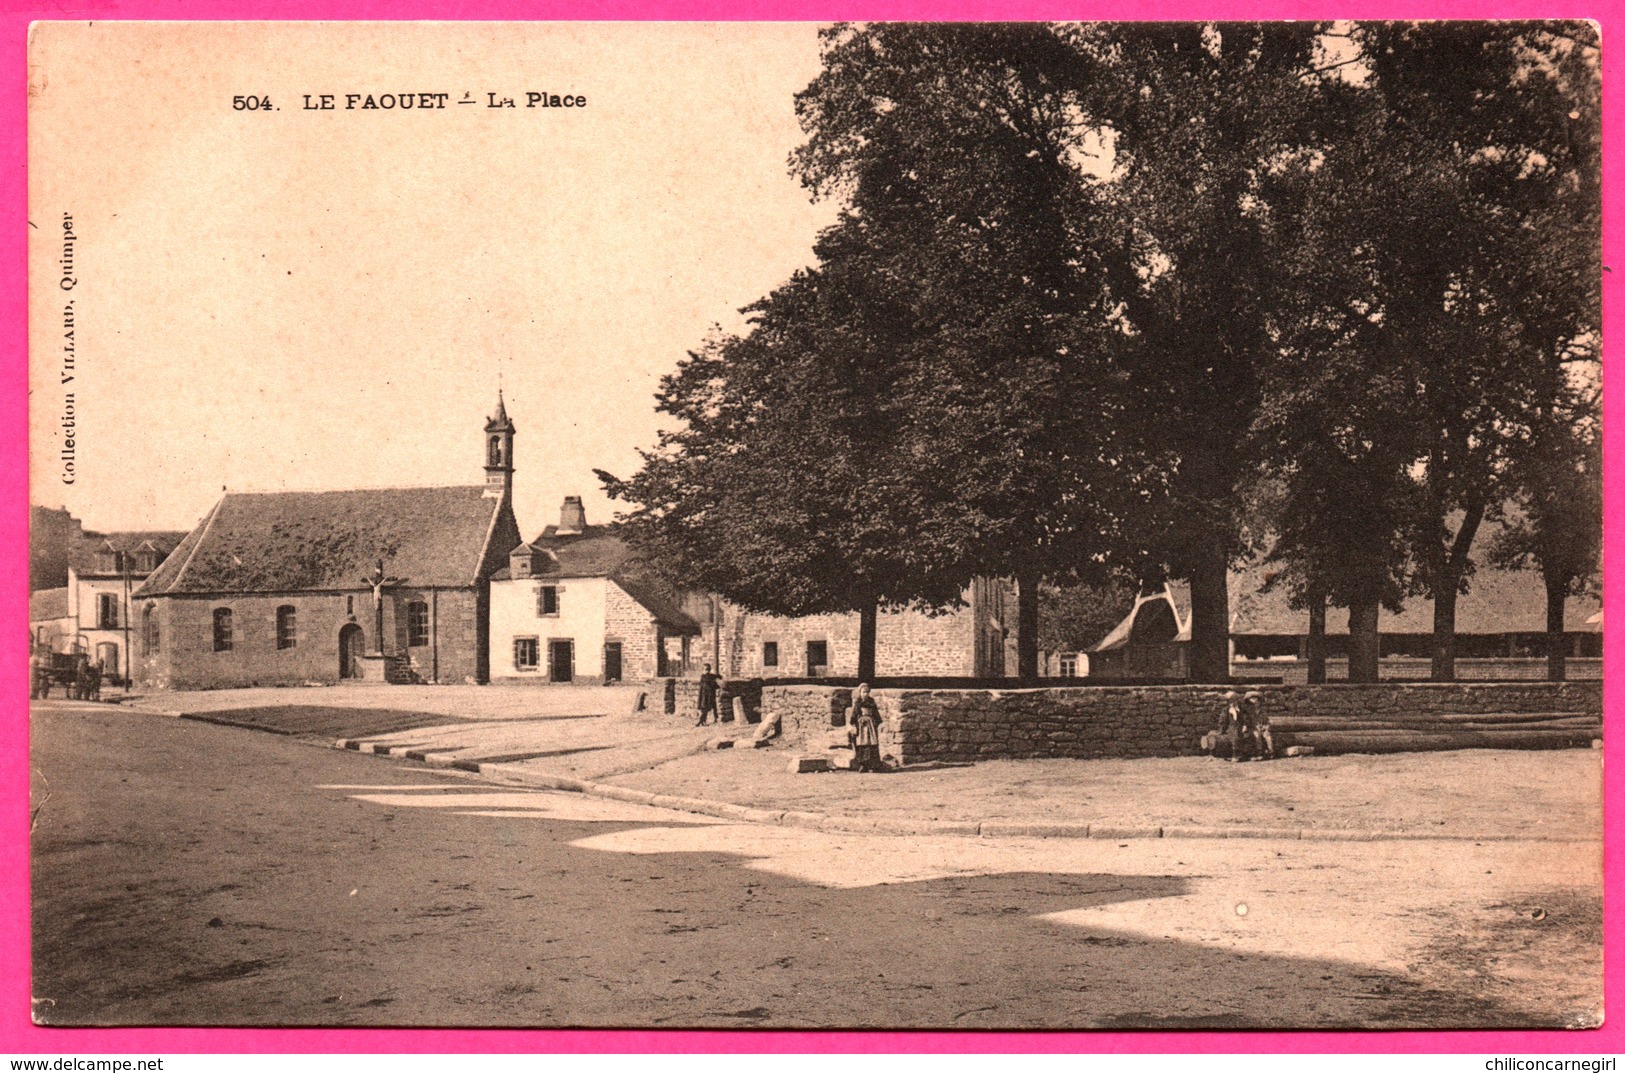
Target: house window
{"type": "Point", "coordinates": [222, 629]}
{"type": "Point", "coordinates": [817, 658]}
{"type": "Point", "coordinates": [349, 606]}
{"type": "Point", "coordinates": [417, 624]}
{"type": "Point", "coordinates": [146, 561]}
{"type": "Point", "coordinates": [106, 611]}
{"type": "Point", "coordinates": [770, 653]}
{"type": "Point", "coordinates": [149, 630]}
{"type": "Point", "coordinates": [547, 600]}
{"type": "Point", "coordinates": [527, 653]}
{"type": "Point", "coordinates": [1069, 666]}
{"type": "Point", "coordinates": [287, 627]}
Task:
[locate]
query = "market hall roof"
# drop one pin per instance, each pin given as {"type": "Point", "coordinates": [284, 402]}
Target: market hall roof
{"type": "Point", "coordinates": [298, 541]}
{"type": "Point", "coordinates": [1497, 601]}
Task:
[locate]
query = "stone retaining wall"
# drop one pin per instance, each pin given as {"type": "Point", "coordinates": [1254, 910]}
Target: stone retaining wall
{"type": "Point", "coordinates": [1505, 668]}
{"type": "Point", "coordinates": [1132, 721]}
{"type": "Point", "coordinates": [681, 696]}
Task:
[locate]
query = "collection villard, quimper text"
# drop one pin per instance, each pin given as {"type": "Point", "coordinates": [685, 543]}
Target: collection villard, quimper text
{"type": "Point", "coordinates": [68, 282]}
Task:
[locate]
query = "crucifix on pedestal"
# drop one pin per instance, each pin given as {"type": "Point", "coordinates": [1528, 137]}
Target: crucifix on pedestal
{"type": "Point", "coordinates": [378, 582]}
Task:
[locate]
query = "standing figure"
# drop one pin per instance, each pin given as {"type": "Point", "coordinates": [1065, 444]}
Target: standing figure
{"type": "Point", "coordinates": [1257, 726]}
{"type": "Point", "coordinates": [864, 719]}
{"type": "Point", "coordinates": [81, 679]}
{"type": "Point", "coordinates": [39, 675]}
{"type": "Point", "coordinates": [1233, 736]}
{"type": "Point", "coordinates": [708, 697]}
{"type": "Point", "coordinates": [94, 691]}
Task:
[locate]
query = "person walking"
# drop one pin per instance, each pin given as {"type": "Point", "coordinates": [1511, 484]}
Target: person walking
{"type": "Point", "coordinates": [708, 697]}
{"type": "Point", "coordinates": [864, 718]}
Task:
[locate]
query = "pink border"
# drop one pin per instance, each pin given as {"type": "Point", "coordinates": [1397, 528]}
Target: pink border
{"type": "Point", "coordinates": [19, 1035]}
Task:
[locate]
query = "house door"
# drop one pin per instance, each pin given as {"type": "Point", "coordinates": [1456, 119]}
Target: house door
{"type": "Point", "coordinates": [350, 651]}
{"type": "Point", "coordinates": [107, 656]}
{"type": "Point", "coordinates": [612, 661]}
{"type": "Point", "coordinates": [817, 659]}
{"type": "Point", "coordinates": [561, 661]}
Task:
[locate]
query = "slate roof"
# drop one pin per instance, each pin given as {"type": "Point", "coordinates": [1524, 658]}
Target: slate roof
{"type": "Point", "coordinates": [599, 551]}
{"type": "Point", "coordinates": [293, 541]}
{"type": "Point", "coordinates": [83, 551]}
{"type": "Point", "coordinates": [47, 604]}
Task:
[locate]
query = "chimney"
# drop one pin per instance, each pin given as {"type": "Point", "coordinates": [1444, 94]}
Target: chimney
{"type": "Point", "coordinates": [572, 517]}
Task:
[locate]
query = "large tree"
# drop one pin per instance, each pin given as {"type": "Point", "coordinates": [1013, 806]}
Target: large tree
{"type": "Point", "coordinates": [788, 475]}
{"type": "Point", "coordinates": [1483, 235]}
{"type": "Point", "coordinates": [1195, 114]}
{"type": "Point", "coordinates": [1331, 429]}
{"type": "Point", "coordinates": [1435, 281]}
{"type": "Point", "coordinates": [955, 148]}
{"type": "Point", "coordinates": [1557, 527]}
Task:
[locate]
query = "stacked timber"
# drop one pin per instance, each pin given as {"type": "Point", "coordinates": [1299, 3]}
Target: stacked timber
{"type": "Point", "coordinates": [1435, 731]}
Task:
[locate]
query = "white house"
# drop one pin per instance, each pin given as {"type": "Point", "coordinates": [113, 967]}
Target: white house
{"type": "Point", "coordinates": [91, 614]}
{"type": "Point", "coordinates": [570, 607]}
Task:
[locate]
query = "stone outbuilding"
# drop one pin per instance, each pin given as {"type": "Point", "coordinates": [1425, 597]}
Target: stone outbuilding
{"type": "Point", "coordinates": [975, 640]}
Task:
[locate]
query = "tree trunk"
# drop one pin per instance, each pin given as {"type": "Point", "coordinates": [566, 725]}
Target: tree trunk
{"type": "Point", "coordinates": [1027, 625]}
{"type": "Point", "coordinates": [1315, 645]}
{"type": "Point", "coordinates": [867, 617]}
{"type": "Point", "coordinates": [1210, 619]}
{"type": "Point", "coordinates": [1557, 650]}
{"type": "Point", "coordinates": [1364, 654]}
{"type": "Point", "coordinates": [1449, 565]}
{"type": "Point", "coordinates": [1444, 632]}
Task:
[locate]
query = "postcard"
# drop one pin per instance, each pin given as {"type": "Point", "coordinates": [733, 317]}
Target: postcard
{"type": "Point", "coordinates": [971, 526]}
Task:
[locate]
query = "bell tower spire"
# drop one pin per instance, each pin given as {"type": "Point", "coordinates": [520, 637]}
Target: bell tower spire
{"type": "Point", "coordinates": [499, 432]}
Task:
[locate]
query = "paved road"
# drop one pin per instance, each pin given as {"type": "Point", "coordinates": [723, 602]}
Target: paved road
{"type": "Point", "coordinates": [186, 873]}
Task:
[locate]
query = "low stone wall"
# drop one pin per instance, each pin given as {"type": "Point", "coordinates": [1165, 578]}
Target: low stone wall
{"type": "Point", "coordinates": [681, 696]}
{"type": "Point", "coordinates": [1133, 721]}
{"type": "Point", "coordinates": [806, 713]}
{"type": "Point", "coordinates": [1504, 668]}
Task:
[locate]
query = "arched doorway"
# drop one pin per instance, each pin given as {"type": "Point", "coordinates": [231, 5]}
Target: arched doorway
{"type": "Point", "coordinates": [107, 655]}
{"type": "Point", "coordinates": [350, 646]}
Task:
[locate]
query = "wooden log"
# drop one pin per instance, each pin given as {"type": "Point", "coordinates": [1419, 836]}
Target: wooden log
{"type": "Point", "coordinates": [1335, 742]}
{"type": "Point", "coordinates": [1301, 724]}
{"type": "Point", "coordinates": [1511, 717]}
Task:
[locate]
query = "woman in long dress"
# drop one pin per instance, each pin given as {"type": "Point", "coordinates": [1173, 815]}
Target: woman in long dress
{"type": "Point", "coordinates": [864, 719]}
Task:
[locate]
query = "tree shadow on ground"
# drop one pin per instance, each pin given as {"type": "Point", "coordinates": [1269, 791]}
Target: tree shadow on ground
{"type": "Point", "coordinates": [230, 894]}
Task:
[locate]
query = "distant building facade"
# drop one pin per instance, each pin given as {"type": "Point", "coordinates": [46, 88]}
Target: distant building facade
{"type": "Point", "coordinates": [570, 607]}
{"type": "Point", "coordinates": [92, 613]}
{"type": "Point", "coordinates": [977, 640]}
{"type": "Point", "coordinates": [282, 588]}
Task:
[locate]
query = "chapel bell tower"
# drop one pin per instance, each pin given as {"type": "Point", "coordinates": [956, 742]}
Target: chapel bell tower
{"type": "Point", "coordinates": [499, 453]}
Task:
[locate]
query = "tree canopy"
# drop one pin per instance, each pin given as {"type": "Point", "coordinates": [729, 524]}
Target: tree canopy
{"type": "Point", "coordinates": [1141, 300]}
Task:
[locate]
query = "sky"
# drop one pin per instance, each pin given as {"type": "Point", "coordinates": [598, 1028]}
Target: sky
{"type": "Point", "coordinates": [313, 298]}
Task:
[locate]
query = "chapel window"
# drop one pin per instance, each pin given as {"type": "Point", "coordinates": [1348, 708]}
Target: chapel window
{"type": "Point", "coordinates": [417, 624]}
{"type": "Point", "coordinates": [222, 629]}
{"type": "Point", "coordinates": [287, 626]}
